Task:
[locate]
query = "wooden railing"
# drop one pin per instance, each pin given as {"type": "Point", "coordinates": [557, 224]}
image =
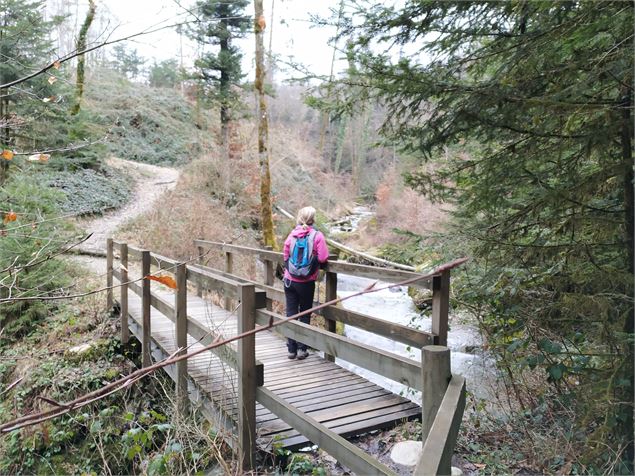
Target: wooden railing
{"type": "Point", "coordinates": [439, 284]}
{"type": "Point", "coordinates": [255, 308]}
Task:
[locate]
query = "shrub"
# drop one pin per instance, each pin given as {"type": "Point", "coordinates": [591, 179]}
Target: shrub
{"type": "Point", "coordinates": [27, 247]}
{"type": "Point", "coordinates": [88, 191]}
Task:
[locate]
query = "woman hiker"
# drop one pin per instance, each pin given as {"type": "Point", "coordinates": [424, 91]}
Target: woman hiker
{"type": "Point", "coordinates": [304, 250]}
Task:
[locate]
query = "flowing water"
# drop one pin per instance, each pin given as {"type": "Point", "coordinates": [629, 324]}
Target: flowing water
{"type": "Point", "coordinates": [393, 304]}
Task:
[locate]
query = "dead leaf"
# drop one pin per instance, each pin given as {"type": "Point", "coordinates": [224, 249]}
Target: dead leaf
{"type": "Point", "coordinates": [52, 79]}
{"type": "Point", "coordinates": [163, 279]}
{"type": "Point", "coordinates": [7, 154]}
{"type": "Point", "coordinates": [11, 216]}
{"type": "Point", "coordinates": [480, 465]}
{"type": "Point", "coordinates": [262, 24]}
{"type": "Point", "coordinates": [49, 99]}
{"type": "Point", "coordinates": [57, 65]}
{"type": "Point", "coordinates": [39, 158]}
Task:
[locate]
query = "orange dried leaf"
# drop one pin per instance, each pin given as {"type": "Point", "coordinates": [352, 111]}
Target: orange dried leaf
{"type": "Point", "coordinates": [52, 79]}
{"type": "Point", "coordinates": [163, 279]}
{"type": "Point", "coordinates": [262, 24]}
{"type": "Point", "coordinates": [7, 154]}
{"type": "Point", "coordinates": [39, 158]}
{"type": "Point", "coordinates": [11, 216]}
{"type": "Point", "coordinates": [57, 65]}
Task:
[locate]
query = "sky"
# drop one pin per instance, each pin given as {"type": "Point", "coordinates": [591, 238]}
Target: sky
{"type": "Point", "coordinates": [293, 34]}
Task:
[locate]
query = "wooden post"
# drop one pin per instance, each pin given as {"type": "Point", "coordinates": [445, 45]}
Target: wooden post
{"type": "Point", "coordinates": [180, 320]}
{"type": "Point", "coordinates": [440, 307]}
{"type": "Point", "coordinates": [268, 277]}
{"type": "Point", "coordinates": [247, 381]}
{"type": "Point", "coordinates": [229, 267]}
{"type": "Point", "coordinates": [125, 330]}
{"type": "Point", "coordinates": [109, 260]}
{"type": "Point", "coordinates": [330, 294]}
{"type": "Point", "coordinates": [436, 375]}
{"type": "Point", "coordinates": [146, 356]}
{"type": "Point", "coordinates": [199, 282]}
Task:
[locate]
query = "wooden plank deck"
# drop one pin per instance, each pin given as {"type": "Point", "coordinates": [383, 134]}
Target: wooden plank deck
{"type": "Point", "coordinates": [341, 400]}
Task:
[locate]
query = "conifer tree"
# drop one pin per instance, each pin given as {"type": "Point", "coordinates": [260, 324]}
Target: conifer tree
{"type": "Point", "coordinates": [528, 106]}
{"type": "Point", "coordinates": [221, 22]}
{"type": "Point", "coordinates": [24, 44]}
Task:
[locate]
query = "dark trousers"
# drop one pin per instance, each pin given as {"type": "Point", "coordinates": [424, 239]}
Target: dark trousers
{"type": "Point", "coordinates": [299, 297]}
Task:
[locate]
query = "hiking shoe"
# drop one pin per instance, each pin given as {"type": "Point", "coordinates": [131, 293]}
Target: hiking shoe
{"type": "Point", "coordinates": [291, 355]}
{"type": "Point", "coordinates": [302, 354]}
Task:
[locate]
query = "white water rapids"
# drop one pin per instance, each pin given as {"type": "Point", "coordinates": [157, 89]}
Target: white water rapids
{"type": "Point", "coordinates": [393, 304]}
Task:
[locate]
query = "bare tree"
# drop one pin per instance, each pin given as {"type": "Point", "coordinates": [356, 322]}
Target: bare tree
{"type": "Point", "coordinates": [268, 235]}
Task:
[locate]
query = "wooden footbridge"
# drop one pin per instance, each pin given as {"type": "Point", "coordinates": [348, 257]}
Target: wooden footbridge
{"type": "Point", "coordinates": [251, 391]}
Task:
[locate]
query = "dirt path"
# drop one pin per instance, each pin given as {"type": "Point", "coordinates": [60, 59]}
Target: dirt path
{"type": "Point", "coordinates": [151, 182]}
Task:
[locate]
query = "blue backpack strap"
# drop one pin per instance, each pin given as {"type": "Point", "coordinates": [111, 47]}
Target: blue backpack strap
{"type": "Point", "coordinates": [291, 250]}
{"type": "Point", "coordinates": [311, 240]}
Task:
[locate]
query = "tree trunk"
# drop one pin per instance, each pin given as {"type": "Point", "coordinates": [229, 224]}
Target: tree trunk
{"type": "Point", "coordinates": [629, 208]}
{"type": "Point", "coordinates": [4, 121]}
{"type": "Point", "coordinates": [224, 87]}
{"type": "Point", "coordinates": [81, 45]}
{"type": "Point", "coordinates": [268, 235]}
{"type": "Point", "coordinates": [325, 115]}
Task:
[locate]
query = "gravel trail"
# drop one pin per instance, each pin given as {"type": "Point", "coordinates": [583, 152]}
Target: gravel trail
{"type": "Point", "coordinates": [151, 182]}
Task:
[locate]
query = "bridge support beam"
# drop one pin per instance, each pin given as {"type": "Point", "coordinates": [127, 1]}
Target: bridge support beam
{"type": "Point", "coordinates": [180, 322]}
{"type": "Point", "coordinates": [436, 375]}
{"type": "Point", "coordinates": [440, 307]}
{"type": "Point", "coordinates": [146, 351]}
{"type": "Point", "coordinates": [125, 331]}
{"type": "Point", "coordinates": [330, 293]}
{"type": "Point", "coordinates": [109, 261]}
{"type": "Point", "coordinates": [247, 378]}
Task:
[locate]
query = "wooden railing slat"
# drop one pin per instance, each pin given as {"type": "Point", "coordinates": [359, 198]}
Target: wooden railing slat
{"type": "Point", "coordinates": [123, 305]}
{"type": "Point", "coordinates": [436, 456]}
{"type": "Point", "coordinates": [205, 336]}
{"type": "Point", "coordinates": [146, 355]}
{"type": "Point", "coordinates": [372, 272]}
{"type": "Point", "coordinates": [392, 366]}
{"type": "Point", "coordinates": [390, 330]}
{"type": "Point", "coordinates": [180, 323]}
{"type": "Point", "coordinates": [247, 380]}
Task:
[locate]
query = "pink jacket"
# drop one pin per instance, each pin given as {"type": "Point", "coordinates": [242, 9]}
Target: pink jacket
{"type": "Point", "coordinates": [319, 249]}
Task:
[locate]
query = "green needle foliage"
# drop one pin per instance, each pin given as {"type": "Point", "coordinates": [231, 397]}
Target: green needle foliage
{"type": "Point", "coordinates": [525, 109]}
{"type": "Point", "coordinates": [219, 70]}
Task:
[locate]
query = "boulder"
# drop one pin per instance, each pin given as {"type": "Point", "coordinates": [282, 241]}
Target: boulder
{"type": "Point", "coordinates": [406, 453]}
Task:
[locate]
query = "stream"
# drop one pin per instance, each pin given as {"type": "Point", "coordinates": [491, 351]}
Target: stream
{"type": "Point", "coordinates": [468, 358]}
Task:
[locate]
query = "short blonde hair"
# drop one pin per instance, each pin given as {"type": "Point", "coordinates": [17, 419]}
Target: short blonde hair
{"type": "Point", "coordinates": [306, 216]}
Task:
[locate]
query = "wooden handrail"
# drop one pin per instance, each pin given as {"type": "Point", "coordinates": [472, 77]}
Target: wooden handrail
{"type": "Point", "coordinates": [254, 297]}
{"type": "Point", "coordinates": [403, 334]}
{"type": "Point", "coordinates": [360, 270]}
{"type": "Point", "coordinates": [205, 336]}
{"type": "Point", "coordinates": [438, 447]}
{"type": "Point", "coordinates": [387, 364]}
